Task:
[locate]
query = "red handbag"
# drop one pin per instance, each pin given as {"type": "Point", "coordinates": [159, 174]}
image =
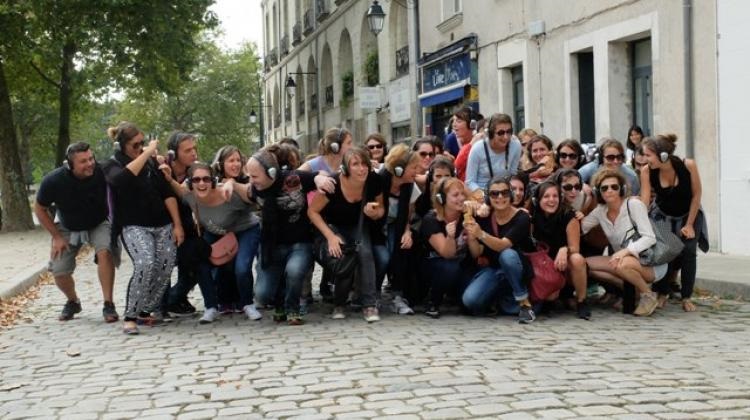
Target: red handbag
{"type": "Point", "coordinates": [224, 250]}
{"type": "Point", "coordinates": [547, 281]}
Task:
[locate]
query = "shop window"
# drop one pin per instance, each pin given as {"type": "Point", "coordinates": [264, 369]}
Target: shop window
{"type": "Point", "coordinates": [586, 108]}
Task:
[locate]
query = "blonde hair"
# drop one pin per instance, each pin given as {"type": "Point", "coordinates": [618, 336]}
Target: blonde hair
{"type": "Point", "coordinates": [400, 155]}
{"type": "Point", "coordinates": [444, 187]}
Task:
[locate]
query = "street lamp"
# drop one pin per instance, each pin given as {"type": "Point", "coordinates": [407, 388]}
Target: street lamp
{"type": "Point", "coordinates": [375, 18]}
{"type": "Point", "coordinates": [291, 88]}
{"type": "Point", "coordinates": [253, 117]}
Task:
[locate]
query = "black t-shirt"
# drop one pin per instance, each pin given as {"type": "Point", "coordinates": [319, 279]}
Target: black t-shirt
{"type": "Point", "coordinates": [290, 222]}
{"type": "Point", "coordinates": [552, 230]}
{"type": "Point", "coordinates": [81, 203]}
{"type": "Point", "coordinates": [431, 225]}
{"type": "Point", "coordinates": [517, 230]}
{"type": "Point", "coordinates": [340, 212]}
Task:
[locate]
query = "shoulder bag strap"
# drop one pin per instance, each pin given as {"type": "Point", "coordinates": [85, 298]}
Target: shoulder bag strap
{"type": "Point", "coordinates": [358, 238]}
{"type": "Point", "coordinates": [487, 154]}
{"type": "Point", "coordinates": [632, 222]}
{"type": "Point", "coordinates": [197, 217]}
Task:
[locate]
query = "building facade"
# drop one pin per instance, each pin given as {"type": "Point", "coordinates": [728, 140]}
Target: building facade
{"type": "Point", "coordinates": [345, 75]}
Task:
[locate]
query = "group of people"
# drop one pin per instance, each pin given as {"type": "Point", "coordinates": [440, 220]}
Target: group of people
{"type": "Point", "coordinates": [438, 228]}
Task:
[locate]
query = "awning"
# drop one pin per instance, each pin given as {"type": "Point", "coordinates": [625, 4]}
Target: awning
{"type": "Point", "coordinates": [444, 94]}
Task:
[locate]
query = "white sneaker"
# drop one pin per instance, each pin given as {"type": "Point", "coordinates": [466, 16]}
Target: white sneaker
{"type": "Point", "coordinates": [209, 315]}
{"type": "Point", "coordinates": [401, 307]}
{"type": "Point", "coordinates": [252, 313]}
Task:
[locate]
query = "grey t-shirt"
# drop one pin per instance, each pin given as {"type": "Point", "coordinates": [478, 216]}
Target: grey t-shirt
{"type": "Point", "coordinates": [232, 216]}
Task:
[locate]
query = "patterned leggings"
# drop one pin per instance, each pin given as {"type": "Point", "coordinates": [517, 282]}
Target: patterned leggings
{"type": "Point", "coordinates": [153, 254]}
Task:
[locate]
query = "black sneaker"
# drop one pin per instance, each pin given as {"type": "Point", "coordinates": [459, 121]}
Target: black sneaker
{"type": "Point", "coordinates": [69, 310]}
{"type": "Point", "coordinates": [433, 312]}
{"type": "Point", "coordinates": [182, 309]}
{"type": "Point", "coordinates": [526, 315]}
{"type": "Point", "coordinates": [109, 312]}
{"type": "Point", "coordinates": [583, 310]}
{"type": "Point", "coordinates": [279, 315]}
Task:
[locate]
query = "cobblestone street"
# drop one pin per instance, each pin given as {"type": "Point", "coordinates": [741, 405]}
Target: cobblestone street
{"type": "Point", "coordinates": [672, 365]}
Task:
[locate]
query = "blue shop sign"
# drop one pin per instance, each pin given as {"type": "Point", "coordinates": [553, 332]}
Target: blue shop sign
{"type": "Point", "coordinates": [446, 72]}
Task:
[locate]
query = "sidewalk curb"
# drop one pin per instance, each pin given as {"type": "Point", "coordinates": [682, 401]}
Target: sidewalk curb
{"type": "Point", "coordinates": [725, 289]}
{"type": "Point", "coordinates": [21, 282]}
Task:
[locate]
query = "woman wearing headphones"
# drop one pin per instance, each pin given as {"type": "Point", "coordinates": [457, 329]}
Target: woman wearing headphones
{"type": "Point", "coordinates": [400, 169]}
{"type": "Point", "coordinates": [358, 194]}
{"type": "Point", "coordinates": [501, 238]}
{"type": "Point", "coordinates": [441, 167]}
{"type": "Point", "coordinates": [619, 215]}
{"type": "Point", "coordinates": [569, 154]}
{"type": "Point", "coordinates": [676, 185]}
{"type": "Point", "coordinates": [286, 240]}
{"type": "Point", "coordinates": [447, 265]}
{"type": "Point", "coordinates": [378, 148]}
{"type": "Point", "coordinates": [218, 217]}
{"type": "Point", "coordinates": [611, 155]}
{"type": "Point", "coordinates": [335, 143]}
{"type": "Point", "coordinates": [555, 224]}
{"type": "Point", "coordinates": [541, 159]}
{"type": "Point", "coordinates": [576, 195]}
{"type": "Point", "coordinates": [146, 214]}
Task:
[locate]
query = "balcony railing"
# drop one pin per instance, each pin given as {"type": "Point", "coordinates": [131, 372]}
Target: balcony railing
{"type": "Point", "coordinates": [308, 23]}
{"type": "Point", "coordinates": [329, 95]}
{"type": "Point", "coordinates": [321, 10]}
{"type": "Point", "coordinates": [284, 45]}
{"type": "Point", "coordinates": [273, 57]}
{"type": "Point", "coordinates": [402, 61]}
{"type": "Point", "coordinates": [297, 34]}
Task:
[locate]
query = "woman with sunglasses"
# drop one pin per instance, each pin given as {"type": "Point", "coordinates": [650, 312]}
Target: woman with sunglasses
{"type": "Point", "coordinates": [447, 265]}
{"type": "Point", "coordinates": [499, 155]}
{"type": "Point", "coordinates": [424, 149]}
{"type": "Point", "coordinates": [377, 148]}
{"type": "Point", "coordinates": [146, 217]}
{"type": "Point", "coordinates": [569, 154]}
{"type": "Point", "coordinates": [336, 215]}
{"type": "Point", "coordinates": [218, 217]}
{"type": "Point", "coordinates": [676, 187]}
{"type": "Point", "coordinates": [576, 195]}
{"type": "Point", "coordinates": [555, 224]}
{"type": "Point", "coordinates": [611, 155]}
{"type": "Point", "coordinates": [619, 216]}
{"type": "Point", "coordinates": [501, 238]}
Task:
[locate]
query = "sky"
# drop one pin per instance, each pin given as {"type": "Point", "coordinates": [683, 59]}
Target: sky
{"type": "Point", "coordinates": [241, 20]}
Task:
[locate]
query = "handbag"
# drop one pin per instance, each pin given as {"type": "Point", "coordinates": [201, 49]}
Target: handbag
{"type": "Point", "coordinates": [345, 265]}
{"type": "Point", "coordinates": [667, 247]}
{"type": "Point", "coordinates": [547, 281]}
{"type": "Point", "coordinates": [224, 249]}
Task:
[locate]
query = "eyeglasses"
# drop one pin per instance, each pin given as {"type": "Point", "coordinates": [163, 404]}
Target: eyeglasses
{"type": "Point", "coordinates": [612, 158]}
{"type": "Point", "coordinates": [499, 193]}
{"type": "Point", "coordinates": [374, 146]}
{"type": "Point", "coordinates": [501, 133]}
{"type": "Point", "coordinates": [613, 187]}
{"type": "Point", "coordinates": [137, 144]}
{"type": "Point", "coordinates": [425, 154]}
{"type": "Point", "coordinates": [571, 156]}
{"type": "Point", "coordinates": [199, 179]}
{"type": "Point", "coordinates": [570, 187]}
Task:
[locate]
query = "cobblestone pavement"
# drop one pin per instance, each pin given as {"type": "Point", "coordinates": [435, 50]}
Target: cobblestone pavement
{"type": "Point", "coordinates": [672, 365]}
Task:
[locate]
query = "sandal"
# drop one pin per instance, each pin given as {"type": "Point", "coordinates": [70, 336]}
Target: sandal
{"type": "Point", "coordinates": [130, 328]}
{"type": "Point", "coordinates": [688, 306]}
{"type": "Point", "coordinates": [661, 301]}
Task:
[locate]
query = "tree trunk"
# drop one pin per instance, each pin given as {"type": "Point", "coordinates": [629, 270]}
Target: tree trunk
{"type": "Point", "coordinates": [66, 91]}
{"type": "Point", "coordinates": [15, 202]}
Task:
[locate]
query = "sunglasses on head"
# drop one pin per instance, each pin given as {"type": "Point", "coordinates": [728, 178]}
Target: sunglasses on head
{"type": "Point", "coordinates": [504, 132]}
{"type": "Point", "coordinates": [571, 156]}
{"type": "Point", "coordinates": [612, 158]}
{"type": "Point", "coordinates": [374, 146]}
{"type": "Point", "coordinates": [199, 179]}
{"type": "Point", "coordinates": [499, 193]}
{"type": "Point", "coordinates": [425, 154]}
{"type": "Point", "coordinates": [613, 187]}
{"type": "Point", "coordinates": [570, 187]}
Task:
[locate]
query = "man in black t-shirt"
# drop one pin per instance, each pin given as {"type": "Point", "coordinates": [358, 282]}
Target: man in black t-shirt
{"type": "Point", "coordinates": [79, 191]}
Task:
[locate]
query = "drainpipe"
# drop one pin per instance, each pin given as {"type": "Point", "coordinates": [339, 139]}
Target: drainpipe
{"type": "Point", "coordinates": [413, 58]}
{"type": "Point", "coordinates": [687, 41]}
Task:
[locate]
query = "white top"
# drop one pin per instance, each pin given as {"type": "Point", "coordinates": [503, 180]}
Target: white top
{"type": "Point", "coordinates": [622, 227]}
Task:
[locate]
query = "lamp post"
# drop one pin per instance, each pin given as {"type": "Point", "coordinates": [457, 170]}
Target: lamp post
{"type": "Point", "coordinates": [375, 18]}
{"type": "Point", "coordinates": [291, 90]}
{"type": "Point", "coordinates": [254, 117]}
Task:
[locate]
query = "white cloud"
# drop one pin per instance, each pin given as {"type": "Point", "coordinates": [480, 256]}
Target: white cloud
{"type": "Point", "coordinates": [241, 21]}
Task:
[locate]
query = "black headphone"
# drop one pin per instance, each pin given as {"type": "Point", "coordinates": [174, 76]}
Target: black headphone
{"type": "Point", "coordinates": [581, 157]}
{"type": "Point", "coordinates": [600, 152]}
{"type": "Point", "coordinates": [443, 163]}
{"type": "Point", "coordinates": [440, 194]}
{"type": "Point", "coordinates": [270, 170]}
{"type": "Point", "coordinates": [72, 149]}
{"type": "Point", "coordinates": [487, 128]}
{"type": "Point", "coordinates": [117, 145]}
{"type": "Point", "coordinates": [336, 146]}
{"type": "Point", "coordinates": [400, 168]}
{"type": "Point", "coordinates": [189, 179]}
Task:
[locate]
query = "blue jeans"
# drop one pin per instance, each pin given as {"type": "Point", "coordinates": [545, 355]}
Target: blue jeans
{"type": "Point", "coordinates": [289, 263]}
{"type": "Point", "coordinates": [247, 241]}
{"type": "Point", "coordinates": [493, 284]}
{"type": "Point", "coordinates": [445, 276]}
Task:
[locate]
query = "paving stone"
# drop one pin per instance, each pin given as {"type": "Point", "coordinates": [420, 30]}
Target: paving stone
{"type": "Point", "coordinates": [537, 404]}
{"type": "Point", "coordinates": [556, 413]}
{"type": "Point", "coordinates": [599, 410]}
{"type": "Point", "coordinates": [689, 406]}
{"type": "Point", "coordinates": [487, 409]}
{"type": "Point", "coordinates": [725, 414]}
